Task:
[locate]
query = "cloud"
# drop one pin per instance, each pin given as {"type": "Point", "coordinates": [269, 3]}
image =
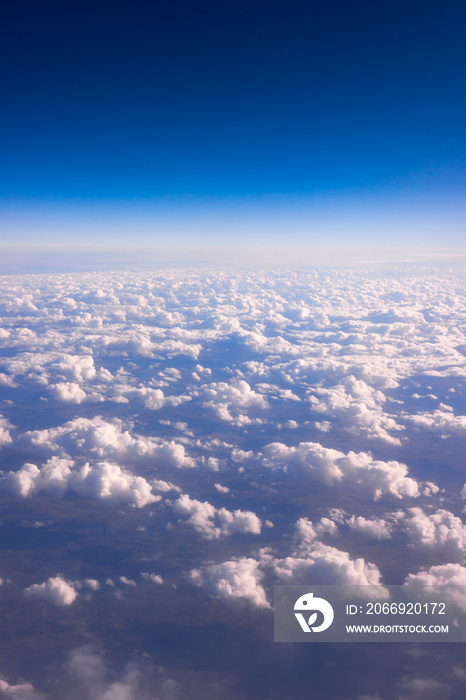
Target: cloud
{"type": "Point", "coordinates": [232, 580]}
{"type": "Point", "coordinates": [421, 688]}
{"type": "Point", "coordinates": [374, 528]}
{"type": "Point", "coordinates": [5, 425]}
{"type": "Point", "coordinates": [313, 563]}
{"type": "Point", "coordinates": [358, 406]}
{"type": "Point", "coordinates": [105, 481]}
{"type": "Point", "coordinates": [441, 421]}
{"type": "Point", "coordinates": [233, 402]}
{"type": "Point", "coordinates": [308, 531]}
{"type": "Point", "coordinates": [109, 439]}
{"type": "Point", "coordinates": [108, 481]}
{"type": "Point", "coordinates": [154, 578]}
{"type": "Point", "coordinates": [441, 531]}
{"type": "Point", "coordinates": [320, 564]}
{"type": "Point", "coordinates": [68, 391]}
{"type": "Point", "coordinates": [358, 471]}
{"type": "Point", "coordinates": [20, 691]}
{"type": "Point", "coordinates": [213, 522]}
{"type": "Point", "coordinates": [443, 575]}
{"type": "Point", "coordinates": [55, 590]}
{"type": "Point", "coordinates": [86, 676]}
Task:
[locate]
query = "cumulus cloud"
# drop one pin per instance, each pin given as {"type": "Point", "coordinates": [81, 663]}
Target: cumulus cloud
{"type": "Point", "coordinates": [86, 676]}
{"type": "Point", "coordinates": [358, 406]}
{"type": "Point", "coordinates": [454, 574]}
{"type": "Point", "coordinates": [5, 425]}
{"type": "Point", "coordinates": [358, 471]}
{"type": "Point", "coordinates": [374, 528]}
{"type": "Point", "coordinates": [105, 481]}
{"type": "Point", "coordinates": [441, 531]}
{"type": "Point", "coordinates": [232, 580]}
{"type": "Point", "coordinates": [322, 564]}
{"type": "Point", "coordinates": [19, 691]}
{"type": "Point", "coordinates": [441, 421]}
{"type": "Point", "coordinates": [99, 438]}
{"type": "Point", "coordinates": [55, 590]}
{"type": "Point", "coordinates": [234, 403]}
{"type": "Point", "coordinates": [153, 578]}
{"type": "Point", "coordinates": [68, 391]}
{"type": "Point", "coordinates": [213, 522]}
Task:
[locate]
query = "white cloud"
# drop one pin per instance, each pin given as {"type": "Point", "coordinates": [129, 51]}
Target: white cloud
{"type": "Point", "coordinates": [320, 564]}
{"type": "Point", "coordinates": [68, 391]}
{"type": "Point", "coordinates": [440, 421]}
{"type": "Point", "coordinates": [102, 480]}
{"type": "Point", "coordinates": [154, 578]}
{"type": "Point", "coordinates": [55, 590]}
{"type": "Point", "coordinates": [19, 691]}
{"type": "Point", "coordinates": [442, 575]}
{"type": "Point", "coordinates": [308, 531]}
{"type": "Point", "coordinates": [92, 583]}
{"type": "Point", "coordinates": [87, 674]}
{"type": "Point", "coordinates": [358, 406]}
{"type": "Point", "coordinates": [232, 580]}
{"type": "Point", "coordinates": [99, 438]}
{"type": "Point", "coordinates": [234, 402]}
{"type": "Point", "coordinates": [5, 425]}
{"type": "Point", "coordinates": [127, 581]}
{"type": "Point", "coordinates": [374, 528]}
{"type": "Point", "coordinates": [108, 481]}
{"type": "Point", "coordinates": [441, 531]}
{"type": "Point", "coordinates": [213, 522]}
{"type": "Point", "coordinates": [358, 471]}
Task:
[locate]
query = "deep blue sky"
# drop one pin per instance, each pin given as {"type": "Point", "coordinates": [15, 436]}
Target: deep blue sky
{"type": "Point", "coordinates": [177, 119]}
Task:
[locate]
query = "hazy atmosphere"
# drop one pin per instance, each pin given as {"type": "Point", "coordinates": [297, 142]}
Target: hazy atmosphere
{"type": "Point", "coordinates": [232, 342]}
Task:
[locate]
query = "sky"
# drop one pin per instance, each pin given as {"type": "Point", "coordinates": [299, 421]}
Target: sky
{"type": "Point", "coordinates": [181, 431]}
{"type": "Point", "coordinates": [202, 123]}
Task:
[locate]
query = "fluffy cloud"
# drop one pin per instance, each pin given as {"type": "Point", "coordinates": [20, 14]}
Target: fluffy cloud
{"type": "Point", "coordinates": [108, 481]}
{"type": "Point", "coordinates": [68, 391]}
{"type": "Point", "coordinates": [450, 578]}
{"type": "Point", "coordinates": [312, 562]}
{"type": "Point", "coordinates": [232, 580]}
{"type": "Point", "coordinates": [358, 471]}
{"type": "Point", "coordinates": [374, 528]}
{"type": "Point", "coordinates": [5, 437]}
{"type": "Point", "coordinates": [441, 531]}
{"type": "Point", "coordinates": [98, 438]}
{"type": "Point", "coordinates": [213, 522]}
{"type": "Point", "coordinates": [441, 421]}
{"type": "Point", "coordinates": [233, 403]}
{"type": "Point", "coordinates": [19, 691]}
{"type": "Point", "coordinates": [103, 480]}
{"type": "Point", "coordinates": [358, 407]}
{"type": "Point", "coordinates": [321, 564]}
{"type": "Point", "coordinates": [87, 676]}
{"type": "Point", "coordinates": [55, 590]}
{"type": "Point", "coordinates": [443, 575]}
{"type": "Point", "coordinates": [153, 578]}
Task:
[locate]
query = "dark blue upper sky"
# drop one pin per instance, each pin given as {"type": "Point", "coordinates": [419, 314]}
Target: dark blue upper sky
{"type": "Point", "coordinates": [158, 110]}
